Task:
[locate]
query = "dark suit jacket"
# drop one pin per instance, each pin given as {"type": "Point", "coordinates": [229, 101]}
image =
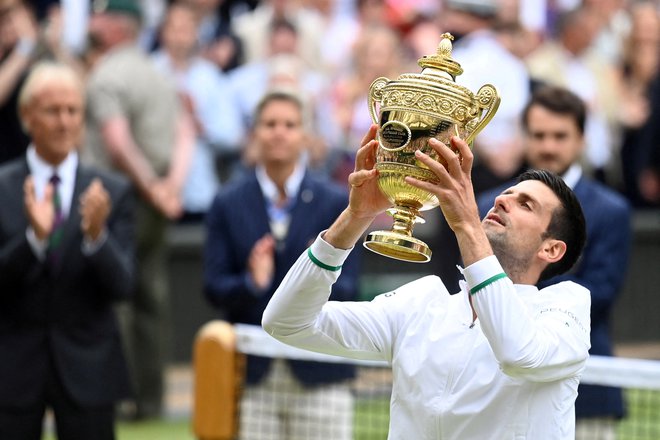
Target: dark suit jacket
{"type": "Point", "coordinates": [63, 316]}
{"type": "Point", "coordinates": [602, 270]}
{"type": "Point", "coordinates": [236, 220]}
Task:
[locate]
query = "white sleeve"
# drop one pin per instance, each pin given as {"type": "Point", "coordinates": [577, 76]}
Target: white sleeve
{"type": "Point", "coordinates": [300, 315]}
{"type": "Point", "coordinates": [545, 342]}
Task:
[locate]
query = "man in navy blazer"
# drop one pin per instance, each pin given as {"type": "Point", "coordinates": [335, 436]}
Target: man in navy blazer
{"type": "Point", "coordinates": [553, 123]}
{"type": "Point", "coordinates": [66, 255]}
{"type": "Point", "coordinates": [257, 228]}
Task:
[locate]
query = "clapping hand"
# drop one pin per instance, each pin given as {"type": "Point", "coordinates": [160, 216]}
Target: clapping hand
{"type": "Point", "coordinates": [261, 263]}
{"type": "Point", "coordinates": [40, 212]}
{"type": "Point", "coordinates": [95, 207]}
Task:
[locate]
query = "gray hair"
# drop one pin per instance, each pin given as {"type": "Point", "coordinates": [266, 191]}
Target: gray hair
{"type": "Point", "coordinates": [44, 73]}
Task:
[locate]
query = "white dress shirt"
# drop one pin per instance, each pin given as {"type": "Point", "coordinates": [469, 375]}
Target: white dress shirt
{"type": "Point", "coordinates": [42, 171]}
{"type": "Point", "coordinates": [279, 214]}
{"type": "Point", "coordinates": [511, 374]}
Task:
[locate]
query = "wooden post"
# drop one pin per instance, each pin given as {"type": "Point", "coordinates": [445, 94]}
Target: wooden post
{"type": "Point", "coordinates": [218, 377]}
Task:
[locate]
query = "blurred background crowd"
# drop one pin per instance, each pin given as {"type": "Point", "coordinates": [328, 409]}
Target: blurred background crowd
{"type": "Point", "coordinates": [222, 55]}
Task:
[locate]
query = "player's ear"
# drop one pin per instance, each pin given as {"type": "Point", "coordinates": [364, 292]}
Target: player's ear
{"type": "Point", "coordinates": [552, 250]}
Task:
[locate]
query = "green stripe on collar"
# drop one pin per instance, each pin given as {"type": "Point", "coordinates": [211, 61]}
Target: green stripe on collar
{"type": "Point", "coordinates": [490, 280]}
{"type": "Point", "coordinates": [319, 263]}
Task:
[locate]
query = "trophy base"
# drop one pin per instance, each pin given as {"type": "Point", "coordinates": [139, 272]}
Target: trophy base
{"type": "Point", "coordinates": [398, 246]}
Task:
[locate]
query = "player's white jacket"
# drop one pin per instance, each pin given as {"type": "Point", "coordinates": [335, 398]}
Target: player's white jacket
{"type": "Point", "coordinates": [512, 374]}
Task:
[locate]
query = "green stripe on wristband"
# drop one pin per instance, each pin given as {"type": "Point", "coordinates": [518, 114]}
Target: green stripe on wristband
{"type": "Point", "coordinates": [490, 280]}
{"type": "Point", "coordinates": [319, 263]}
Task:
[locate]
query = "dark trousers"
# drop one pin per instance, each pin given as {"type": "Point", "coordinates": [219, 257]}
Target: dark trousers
{"type": "Point", "coordinates": [145, 319]}
{"type": "Point", "coordinates": [72, 421]}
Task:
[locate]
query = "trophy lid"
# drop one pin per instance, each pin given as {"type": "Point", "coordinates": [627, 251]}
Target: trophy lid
{"type": "Point", "coordinates": [442, 59]}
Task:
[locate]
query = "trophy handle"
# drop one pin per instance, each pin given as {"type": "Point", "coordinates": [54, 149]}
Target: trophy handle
{"type": "Point", "coordinates": [375, 96]}
{"type": "Point", "coordinates": [487, 99]}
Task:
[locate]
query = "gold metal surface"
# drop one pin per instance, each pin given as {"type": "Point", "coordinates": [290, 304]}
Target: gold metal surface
{"type": "Point", "coordinates": [410, 110]}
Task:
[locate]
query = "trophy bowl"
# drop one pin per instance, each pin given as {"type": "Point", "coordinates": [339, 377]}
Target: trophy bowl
{"type": "Point", "coordinates": [409, 111]}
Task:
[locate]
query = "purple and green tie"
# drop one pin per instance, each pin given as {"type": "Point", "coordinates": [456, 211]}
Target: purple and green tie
{"type": "Point", "coordinates": [55, 239]}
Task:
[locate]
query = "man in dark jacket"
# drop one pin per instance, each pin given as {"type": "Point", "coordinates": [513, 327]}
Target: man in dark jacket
{"type": "Point", "coordinates": [257, 228]}
{"type": "Point", "coordinates": [66, 255]}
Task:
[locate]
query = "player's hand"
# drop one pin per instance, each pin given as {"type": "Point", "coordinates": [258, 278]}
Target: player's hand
{"type": "Point", "coordinates": [366, 200]}
{"type": "Point", "coordinates": [454, 182]}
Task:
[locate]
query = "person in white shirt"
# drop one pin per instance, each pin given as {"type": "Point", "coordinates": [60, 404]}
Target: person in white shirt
{"type": "Point", "coordinates": [500, 359]}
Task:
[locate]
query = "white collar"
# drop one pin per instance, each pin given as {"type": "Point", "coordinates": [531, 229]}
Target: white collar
{"type": "Point", "coordinates": [39, 168]}
{"type": "Point", "coordinates": [291, 186]}
{"type": "Point", "coordinates": [42, 171]}
{"type": "Point", "coordinates": [572, 175]}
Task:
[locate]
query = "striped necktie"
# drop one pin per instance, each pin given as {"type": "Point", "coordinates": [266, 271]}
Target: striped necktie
{"type": "Point", "coordinates": [55, 239]}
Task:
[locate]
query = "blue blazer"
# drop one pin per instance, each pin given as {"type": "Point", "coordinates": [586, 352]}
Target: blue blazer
{"type": "Point", "coordinates": [236, 220]}
{"type": "Point", "coordinates": [602, 270]}
{"type": "Point", "coordinates": [60, 320]}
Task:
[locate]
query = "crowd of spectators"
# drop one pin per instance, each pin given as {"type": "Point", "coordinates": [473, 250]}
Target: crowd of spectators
{"type": "Point", "coordinates": [224, 54]}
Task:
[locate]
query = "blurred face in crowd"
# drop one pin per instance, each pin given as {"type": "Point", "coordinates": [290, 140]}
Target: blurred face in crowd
{"type": "Point", "coordinates": [377, 53]}
{"type": "Point", "coordinates": [283, 41]}
{"type": "Point", "coordinates": [279, 133]}
{"type": "Point", "coordinates": [53, 117]}
{"type": "Point", "coordinates": [643, 45]}
{"type": "Point", "coordinates": [581, 31]}
{"type": "Point", "coordinates": [554, 140]}
{"type": "Point", "coordinates": [109, 29]}
{"type": "Point", "coordinates": [203, 7]}
{"type": "Point", "coordinates": [179, 34]}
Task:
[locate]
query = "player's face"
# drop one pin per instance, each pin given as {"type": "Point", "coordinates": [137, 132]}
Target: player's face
{"type": "Point", "coordinates": [521, 215]}
{"type": "Point", "coordinates": [553, 140]}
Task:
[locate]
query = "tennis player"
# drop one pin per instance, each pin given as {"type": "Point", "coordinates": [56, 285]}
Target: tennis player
{"type": "Point", "coordinates": [498, 360]}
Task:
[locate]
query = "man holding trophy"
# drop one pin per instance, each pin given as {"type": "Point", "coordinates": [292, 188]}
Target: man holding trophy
{"type": "Point", "coordinates": [499, 359]}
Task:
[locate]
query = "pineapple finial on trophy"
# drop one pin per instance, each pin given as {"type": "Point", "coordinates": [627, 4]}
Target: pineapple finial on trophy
{"type": "Point", "coordinates": [442, 59]}
{"type": "Point", "coordinates": [445, 46]}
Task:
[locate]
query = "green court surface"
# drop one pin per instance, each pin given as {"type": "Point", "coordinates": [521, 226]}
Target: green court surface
{"type": "Point", "coordinates": [151, 430]}
{"type": "Point", "coordinates": [642, 422]}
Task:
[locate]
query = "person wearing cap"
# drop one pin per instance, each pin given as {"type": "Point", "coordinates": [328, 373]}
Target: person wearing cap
{"type": "Point", "coordinates": [136, 126]}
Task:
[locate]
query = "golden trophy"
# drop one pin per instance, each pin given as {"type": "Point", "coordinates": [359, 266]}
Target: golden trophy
{"type": "Point", "coordinates": [412, 109]}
